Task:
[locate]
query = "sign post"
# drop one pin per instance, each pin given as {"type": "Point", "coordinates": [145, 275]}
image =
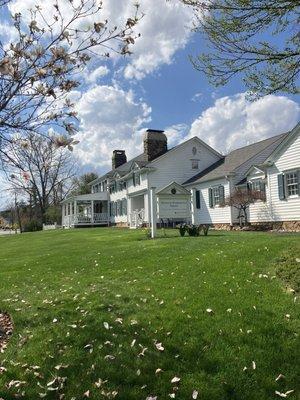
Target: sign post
{"type": "Point", "coordinates": [193, 204]}
{"type": "Point", "coordinates": [153, 212]}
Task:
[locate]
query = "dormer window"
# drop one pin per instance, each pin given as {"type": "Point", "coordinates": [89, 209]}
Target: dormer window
{"type": "Point", "coordinates": [136, 179]}
{"type": "Point", "coordinates": [257, 185]}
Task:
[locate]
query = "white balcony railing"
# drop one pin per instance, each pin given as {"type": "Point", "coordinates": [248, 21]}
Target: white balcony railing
{"type": "Point", "coordinates": [83, 219]}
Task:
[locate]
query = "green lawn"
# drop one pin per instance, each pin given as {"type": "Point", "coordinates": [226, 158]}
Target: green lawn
{"type": "Point", "coordinates": [93, 307]}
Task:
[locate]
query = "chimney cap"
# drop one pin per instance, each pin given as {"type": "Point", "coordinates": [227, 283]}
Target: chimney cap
{"type": "Point", "coordinates": [154, 130]}
{"type": "Point", "coordinates": [157, 135]}
{"type": "Point", "coordinates": [118, 151]}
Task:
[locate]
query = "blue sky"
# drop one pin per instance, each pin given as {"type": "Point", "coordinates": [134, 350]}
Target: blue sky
{"type": "Point", "coordinates": [158, 87]}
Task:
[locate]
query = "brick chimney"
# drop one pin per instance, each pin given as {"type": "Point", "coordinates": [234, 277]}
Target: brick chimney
{"type": "Point", "coordinates": [118, 158]}
{"type": "Point", "coordinates": [155, 144]}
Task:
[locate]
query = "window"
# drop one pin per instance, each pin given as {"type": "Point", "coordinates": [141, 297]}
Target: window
{"type": "Point", "coordinates": [257, 185]}
{"type": "Point", "coordinates": [119, 209]}
{"type": "Point", "coordinates": [124, 207]}
{"type": "Point", "coordinates": [119, 185]}
{"type": "Point", "coordinates": [136, 179]}
{"type": "Point", "coordinates": [216, 195]}
{"type": "Point", "coordinates": [292, 183]}
{"type": "Point", "coordinates": [195, 164]}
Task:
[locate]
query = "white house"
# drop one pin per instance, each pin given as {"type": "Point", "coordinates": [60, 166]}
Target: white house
{"type": "Point", "coordinates": [187, 183]}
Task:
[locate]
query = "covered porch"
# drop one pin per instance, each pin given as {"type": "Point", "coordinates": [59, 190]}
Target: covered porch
{"type": "Point", "coordinates": [138, 210]}
{"type": "Point", "coordinates": [85, 210]}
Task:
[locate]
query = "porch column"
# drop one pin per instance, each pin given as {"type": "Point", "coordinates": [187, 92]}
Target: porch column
{"type": "Point", "coordinates": [75, 211]}
{"type": "Point", "coordinates": [153, 212]}
{"type": "Point", "coordinates": [92, 211]}
{"type": "Point", "coordinates": [62, 215]}
{"type": "Point", "coordinates": [193, 205]}
{"type": "Point", "coordinates": [231, 216]}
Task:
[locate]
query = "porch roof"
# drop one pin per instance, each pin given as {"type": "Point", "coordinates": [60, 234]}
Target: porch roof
{"type": "Point", "coordinates": [91, 196]}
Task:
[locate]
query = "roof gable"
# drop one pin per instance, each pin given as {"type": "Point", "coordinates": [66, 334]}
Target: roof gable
{"type": "Point", "coordinates": [179, 146]}
{"type": "Point", "coordinates": [255, 171]}
{"type": "Point", "coordinates": [240, 160]}
{"type": "Point", "coordinates": [280, 149]}
{"type": "Point", "coordinates": [173, 188]}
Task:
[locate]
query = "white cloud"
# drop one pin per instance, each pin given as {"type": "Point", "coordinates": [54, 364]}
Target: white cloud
{"type": "Point", "coordinates": [165, 28]}
{"type": "Point", "coordinates": [234, 122]}
{"type": "Point", "coordinates": [197, 96]}
{"type": "Point", "coordinates": [110, 118]}
{"type": "Point", "coordinates": [93, 76]}
{"type": "Point", "coordinates": [176, 134]}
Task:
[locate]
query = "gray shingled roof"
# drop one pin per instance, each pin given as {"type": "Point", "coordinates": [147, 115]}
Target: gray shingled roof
{"type": "Point", "coordinates": [240, 160]}
{"type": "Point", "coordinates": [124, 168]}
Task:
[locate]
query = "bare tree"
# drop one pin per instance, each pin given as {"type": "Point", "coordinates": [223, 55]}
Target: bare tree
{"type": "Point", "coordinates": [39, 171]}
{"type": "Point", "coordinates": [258, 39]}
{"type": "Point", "coordinates": [40, 68]}
{"type": "Point", "coordinates": [241, 199]}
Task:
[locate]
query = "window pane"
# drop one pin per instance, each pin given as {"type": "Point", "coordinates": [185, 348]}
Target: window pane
{"type": "Point", "coordinates": [216, 195]}
{"type": "Point", "coordinates": [292, 183]}
{"type": "Point", "coordinates": [195, 164]}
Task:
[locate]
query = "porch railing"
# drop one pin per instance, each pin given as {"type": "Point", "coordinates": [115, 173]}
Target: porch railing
{"type": "Point", "coordinates": [100, 217]}
{"type": "Point", "coordinates": [80, 218]}
{"type": "Point", "coordinates": [137, 218]}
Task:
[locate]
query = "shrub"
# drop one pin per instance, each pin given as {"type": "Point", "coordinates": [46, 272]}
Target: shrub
{"type": "Point", "coordinates": [205, 229]}
{"type": "Point", "coordinates": [182, 229]}
{"type": "Point", "coordinates": [193, 230]}
{"type": "Point", "coordinates": [33, 226]}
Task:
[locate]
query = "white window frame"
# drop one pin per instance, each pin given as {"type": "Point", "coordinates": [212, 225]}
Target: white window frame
{"type": "Point", "coordinates": [294, 185]}
{"type": "Point", "coordinates": [216, 195]}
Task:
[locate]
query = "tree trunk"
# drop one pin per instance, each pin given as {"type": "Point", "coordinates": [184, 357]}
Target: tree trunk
{"type": "Point", "coordinates": [18, 214]}
{"type": "Point", "coordinates": [246, 217]}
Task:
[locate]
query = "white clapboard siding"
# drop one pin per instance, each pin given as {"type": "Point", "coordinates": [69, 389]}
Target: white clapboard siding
{"type": "Point", "coordinates": [215, 215]}
{"type": "Point", "coordinates": [177, 165]}
{"type": "Point", "coordinates": [275, 209]}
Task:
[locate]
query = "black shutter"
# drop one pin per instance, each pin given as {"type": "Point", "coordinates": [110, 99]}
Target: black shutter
{"type": "Point", "coordinates": [210, 196]}
{"type": "Point", "coordinates": [299, 182]}
{"type": "Point", "coordinates": [281, 186]}
{"type": "Point", "coordinates": [249, 186]}
{"type": "Point", "coordinates": [222, 194]}
{"type": "Point", "coordinates": [198, 202]}
{"type": "Point", "coordinates": [133, 179]}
